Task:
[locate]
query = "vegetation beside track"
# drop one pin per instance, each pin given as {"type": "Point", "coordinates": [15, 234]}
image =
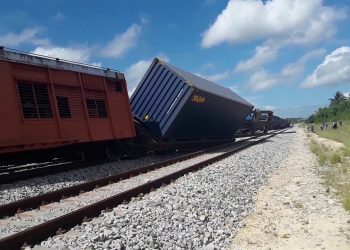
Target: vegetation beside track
{"type": "Point", "coordinates": [335, 170]}
{"type": "Point", "coordinates": [341, 134]}
{"type": "Point", "coordinates": [334, 163]}
{"type": "Point", "coordinates": [338, 109]}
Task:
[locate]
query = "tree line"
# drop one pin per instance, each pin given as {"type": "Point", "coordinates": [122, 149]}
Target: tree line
{"type": "Point", "coordinates": [338, 109]}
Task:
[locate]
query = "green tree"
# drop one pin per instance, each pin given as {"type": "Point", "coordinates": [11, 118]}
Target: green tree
{"type": "Point", "coordinates": [338, 109]}
{"type": "Point", "coordinates": [337, 98]}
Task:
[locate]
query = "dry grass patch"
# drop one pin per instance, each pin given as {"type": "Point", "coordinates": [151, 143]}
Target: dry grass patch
{"type": "Point", "coordinates": [335, 170]}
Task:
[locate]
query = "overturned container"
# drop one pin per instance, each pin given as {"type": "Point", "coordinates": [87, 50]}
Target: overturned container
{"type": "Point", "coordinates": [175, 104]}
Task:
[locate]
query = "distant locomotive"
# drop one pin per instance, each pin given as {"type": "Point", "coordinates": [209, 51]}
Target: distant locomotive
{"type": "Point", "coordinates": [257, 121]}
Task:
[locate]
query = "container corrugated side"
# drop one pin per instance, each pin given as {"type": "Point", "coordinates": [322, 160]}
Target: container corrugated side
{"type": "Point", "coordinates": [216, 117]}
{"type": "Point", "coordinates": [159, 95]}
{"type": "Point", "coordinates": [165, 97]}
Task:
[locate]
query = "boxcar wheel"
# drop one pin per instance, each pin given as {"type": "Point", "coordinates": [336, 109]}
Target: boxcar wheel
{"type": "Point", "coordinates": [266, 129]}
{"type": "Point", "coordinates": [112, 153]}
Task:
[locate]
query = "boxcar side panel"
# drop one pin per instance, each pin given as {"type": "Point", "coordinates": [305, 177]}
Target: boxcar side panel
{"type": "Point", "coordinates": [65, 78]}
{"type": "Point", "coordinates": [120, 111]}
{"type": "Point", "coordinates": [42, 107]}
{"type": "Point", "coordinates": [73, 127]}
{"type": "Point", "coordinates": [29, 73]}
{"type": "Point", "coordinates": [10, 118]}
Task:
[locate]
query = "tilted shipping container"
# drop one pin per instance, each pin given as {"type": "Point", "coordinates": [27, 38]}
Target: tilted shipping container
{"type": "Point", "coordinates": [176, 104]}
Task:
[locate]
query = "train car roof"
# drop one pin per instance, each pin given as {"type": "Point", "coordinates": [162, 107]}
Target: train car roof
{"type": "Point", "coordinates": [56, 63]}
{"type": "Point", "coordinates": [207, 85]}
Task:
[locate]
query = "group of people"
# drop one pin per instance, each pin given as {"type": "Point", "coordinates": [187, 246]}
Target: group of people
{"type": "Point", "coordinates": [335, 124]}
{"type": "Point", "coordinates": [324, 125]}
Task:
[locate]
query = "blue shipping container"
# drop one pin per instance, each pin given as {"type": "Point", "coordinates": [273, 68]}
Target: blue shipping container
{"type": "Point", "coordinates": [176, 104]}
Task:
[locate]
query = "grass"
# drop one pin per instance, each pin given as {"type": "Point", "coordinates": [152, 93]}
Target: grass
{"type": "Point", "coordinates": [319, 151]}
{"type": "Point", "coordinates": [335, 165]}
{"type": "Point", "coordinates": [341, 134]}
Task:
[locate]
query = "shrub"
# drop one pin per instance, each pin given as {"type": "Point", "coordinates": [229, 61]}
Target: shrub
{"type": "Point", "coordinates": [335, 158]}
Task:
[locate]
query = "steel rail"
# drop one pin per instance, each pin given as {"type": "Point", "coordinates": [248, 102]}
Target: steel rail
{"type": "Point", "coordinates": [44, 169]}
{"type": "Point", "coordinates": [44, 230]}
{"type": "Point", "coordinates": [10, 174]}
{"type": "Point", "coordinates": [12, 208]}
{"type": "Point", "coordinates": [13, 173]}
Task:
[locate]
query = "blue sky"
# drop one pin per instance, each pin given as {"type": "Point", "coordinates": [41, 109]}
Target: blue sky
{"type": "Point", "coordinates": [285, 55]}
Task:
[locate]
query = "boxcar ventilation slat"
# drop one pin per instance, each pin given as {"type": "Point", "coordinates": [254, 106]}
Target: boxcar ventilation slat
{"type": "Point", "coordinates": [35, 100]}
{"type": "Point", "coordinates": [63, 107]}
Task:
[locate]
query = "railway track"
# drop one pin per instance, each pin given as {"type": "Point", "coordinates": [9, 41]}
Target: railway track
{"type": "Point", "coordinates": [13, 173]}
{"type": "Point", "coordinates": [108, 192]}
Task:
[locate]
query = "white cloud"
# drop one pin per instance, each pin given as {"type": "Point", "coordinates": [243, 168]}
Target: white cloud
{"type": "Point", "coordinates": [263, 54]}
{"type": "Point", "coordinates": [97, 64]}
{"type": "Point", "coordinates": [288, 21]}
{"type": "Point", "coordinates": [44, 46]}
{"type": "Point", "coordinates": [77, 54]}
{"type": "Point", "coordinates": [267, 107]}
{"type": "Point", "coordinates": [208, 66]}
{"type": "Point", "coordinates": [214, 77]}
{"type": "Point", "coordinates": [334, 70]}
{"type": "Point", "coordinates": [217, 77]}
{"type": "Point", "coordinates": [136, 71]}
{"type": "Point", "coordinates": [300, 111]}
{"type": "Point", "coordinates": [346, 94]}
{"type": "Point", "coordinates": [59, 16]}
{"type": "Point", "coordinates": [296, 69]}
{"type": "Point", "coordinates": [27, 36]}
{"type": "Point", "coordinates": [252, 99]}
{"type": "Point", "coordinates": [262, 80]}
{"type": "Point", "coordinates": [122, 42]}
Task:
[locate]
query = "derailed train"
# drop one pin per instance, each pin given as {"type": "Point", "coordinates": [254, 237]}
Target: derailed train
{"type": "Point", "coordinates": [279, 123]}
{"type": "Point", "coordinates": [48, 103]}
{"type": "Point", "coordinates": [262, 121]}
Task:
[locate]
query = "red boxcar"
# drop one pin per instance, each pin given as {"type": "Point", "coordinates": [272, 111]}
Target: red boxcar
{"type": "Point", "coordinates": [46, 103]}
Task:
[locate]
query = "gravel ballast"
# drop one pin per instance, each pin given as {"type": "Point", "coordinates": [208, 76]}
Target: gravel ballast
{"type": "Point", "coordinates": [201, 209]}
{"type": "Point", "coordinates": [35, 186]}
{"type": "Point", "coordinates": [24, 220]}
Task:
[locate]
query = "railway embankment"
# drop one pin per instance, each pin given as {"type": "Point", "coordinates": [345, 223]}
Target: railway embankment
{"type": "Point", "coordinates": [296, 208]}
{"type": "Point", "coordinates": [202, 209]}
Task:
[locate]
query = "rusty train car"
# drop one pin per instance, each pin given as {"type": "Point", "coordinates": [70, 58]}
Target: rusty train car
{"type": "Point", "coordinates": [48, 103]}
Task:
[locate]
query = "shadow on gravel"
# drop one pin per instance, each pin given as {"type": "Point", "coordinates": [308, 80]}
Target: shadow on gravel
{"type": "Point", "coordinates": [289, 132]}
{"type": "Point", "coordinates": [39, 185]}
{"type": "Point", "coordinates": [43, 184]}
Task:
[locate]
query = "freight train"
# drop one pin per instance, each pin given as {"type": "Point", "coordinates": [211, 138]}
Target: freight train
{"type": "Point", "coordinates": [279, 123]}
{"type": "Point", "coordinates": [52, 105]}
{"type": "Point", "coordinates": [262, 121]}
{"type": "Point", "coordinates": [257, 121]}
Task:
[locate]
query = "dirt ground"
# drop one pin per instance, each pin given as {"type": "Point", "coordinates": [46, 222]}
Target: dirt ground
{"type": "Point", "coordinates": [329, 144]}
{"type": "Point", "coordinates": [294, 210]}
